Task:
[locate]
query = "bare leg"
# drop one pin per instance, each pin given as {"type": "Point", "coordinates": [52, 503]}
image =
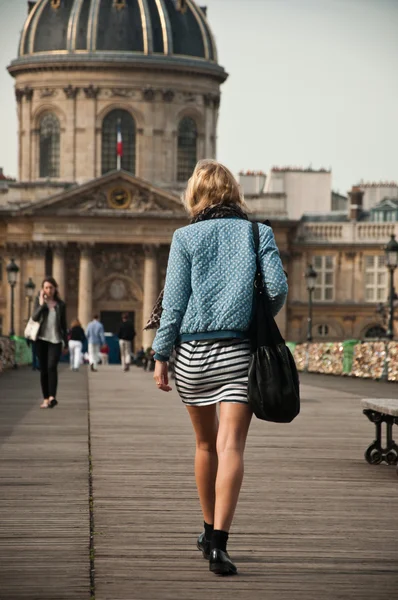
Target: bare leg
{"type": "Point", "coordinates": [205, 423]}
{"type": "Point", "coordinates": [234, 426]}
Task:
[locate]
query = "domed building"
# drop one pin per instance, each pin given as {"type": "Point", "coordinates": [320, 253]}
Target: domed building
{"type": "Point", "coordinates": [117, 100]}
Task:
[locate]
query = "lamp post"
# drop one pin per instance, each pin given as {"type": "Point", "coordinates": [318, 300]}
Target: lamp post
{"type": "Point", "coordinates": [391, 250]}
{"type": "Point", "coordinates": [12, 274]}
{"type": "Point", "coordinates": [30, 290]}
{"type": "Point", "coordinates": [310, 276]}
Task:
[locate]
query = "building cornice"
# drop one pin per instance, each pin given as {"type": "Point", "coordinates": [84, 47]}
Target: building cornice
{"type": "Point", "coordinates": [107, 60]}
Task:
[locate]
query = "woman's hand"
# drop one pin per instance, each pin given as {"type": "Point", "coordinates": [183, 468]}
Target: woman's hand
{"type": "Point", "coordinates": [42, 299]}
{"type": "Point", "coordinates": [161, 376]}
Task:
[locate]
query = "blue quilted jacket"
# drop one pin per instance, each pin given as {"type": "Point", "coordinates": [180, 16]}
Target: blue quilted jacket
{"type": "Point", "coordinates": [209, 282]}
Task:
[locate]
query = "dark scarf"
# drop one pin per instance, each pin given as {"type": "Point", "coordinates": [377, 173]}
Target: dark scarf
{"type": "Point", "coordinates": [219, 211]}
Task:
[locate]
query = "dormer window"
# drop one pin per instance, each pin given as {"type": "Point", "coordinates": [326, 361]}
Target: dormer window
{"type": "Point", "coordinates": [181, 6]}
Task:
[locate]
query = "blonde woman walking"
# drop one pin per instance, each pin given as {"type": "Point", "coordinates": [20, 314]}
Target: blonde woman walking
{"type": "Point", "coordinates": [207, 307]}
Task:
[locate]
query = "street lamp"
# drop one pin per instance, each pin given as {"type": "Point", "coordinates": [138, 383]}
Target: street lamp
{"type": "Point", "coordinates": [391, 250]}
{"type": "Point", "coordinates": [12, 274]}
{"type": "Point", "coordinates": [310, 276]}
{"type": "Point", "coordinates": [30, 290]}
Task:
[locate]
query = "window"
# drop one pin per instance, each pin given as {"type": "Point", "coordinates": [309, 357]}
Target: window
{"type": "Point", "coordinates": [49, 146]}
{"type": "Point", "coordinates": [324, 285]}
{"type": "Point", "coordinates": [187, 148]}
{"type": "Point", "coordinates": [323, 330]}
{"type": "Point", "coordinates": [375, 278]}
{"type": "Point", "coordinates": [375, 332]}
{"type": "Point", "coordinates": [110, 127]}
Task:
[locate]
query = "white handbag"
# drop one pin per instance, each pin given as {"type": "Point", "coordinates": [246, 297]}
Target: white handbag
{"type": "Point", "coordinates": [32, 330]}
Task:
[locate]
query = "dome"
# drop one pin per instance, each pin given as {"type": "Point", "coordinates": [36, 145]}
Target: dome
{"type": "Point", "coordinates": [128, 30]}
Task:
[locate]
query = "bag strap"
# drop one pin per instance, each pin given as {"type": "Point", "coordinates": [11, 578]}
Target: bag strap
{"type": "Point", "coordinates": [258, 280]}
{"type": "Point", "coordinates": [266, 329]}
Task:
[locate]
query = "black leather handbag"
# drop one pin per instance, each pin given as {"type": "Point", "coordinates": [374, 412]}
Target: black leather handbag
{"type": "Point", "coordinates": [273, 391]}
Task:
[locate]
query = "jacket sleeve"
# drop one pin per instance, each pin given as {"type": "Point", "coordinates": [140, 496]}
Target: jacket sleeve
{"type": "Point", "coordinates": [38, 310]}
{"type": "Point", "coordinates": [272, 270]}
{"type": "Point", "coordinates": [102, 335]}
{"type": "Point", "coordinates": [177, 292]}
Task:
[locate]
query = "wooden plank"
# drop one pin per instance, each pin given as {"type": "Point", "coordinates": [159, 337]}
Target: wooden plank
{"type": "Point", "coordinates": [314, 519]}
{"type": "Point", "coordinates": [44, 497]}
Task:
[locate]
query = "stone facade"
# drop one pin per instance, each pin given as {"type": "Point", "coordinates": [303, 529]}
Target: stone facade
{"type": "Point", "coordinates": [156, 104]}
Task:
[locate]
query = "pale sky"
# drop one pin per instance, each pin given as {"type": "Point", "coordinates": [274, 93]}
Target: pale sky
{"type": "Point", "coordinates": [312, 82]}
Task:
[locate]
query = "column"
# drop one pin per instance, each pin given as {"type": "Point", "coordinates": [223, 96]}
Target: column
{"type": "Point", "coordinates": [59, 272]}
{"type": "Point", "coordinates": [85, 286]}
{"type": "Point", "coordinates": [150, 290]}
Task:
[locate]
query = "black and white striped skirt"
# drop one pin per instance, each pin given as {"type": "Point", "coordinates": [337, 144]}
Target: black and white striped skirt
{"type": "Point", "coordinates": [210, 371]}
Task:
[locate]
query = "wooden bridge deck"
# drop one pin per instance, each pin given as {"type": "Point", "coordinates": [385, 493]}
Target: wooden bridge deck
{"type": "Point", "coordinates": [314, 520]}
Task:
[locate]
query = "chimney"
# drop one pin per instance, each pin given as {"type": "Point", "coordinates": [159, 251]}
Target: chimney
{"type": "Point", "coordinates": [356, 203]}
{"type": "Point", "coordinates": [31, 4]}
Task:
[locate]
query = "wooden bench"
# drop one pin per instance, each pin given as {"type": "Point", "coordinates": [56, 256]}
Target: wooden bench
{"type": "Point", "coordinates": [379, 411]}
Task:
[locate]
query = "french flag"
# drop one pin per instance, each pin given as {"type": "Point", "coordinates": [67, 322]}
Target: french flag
{"type": "Point", "coordinates": [119, 144]}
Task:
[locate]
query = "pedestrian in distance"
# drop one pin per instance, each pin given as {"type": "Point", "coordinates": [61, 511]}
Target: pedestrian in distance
{"type": "Point", "coordinates": [139, 357]}
{"type": "Point", "coordinates": [96, 338]}
{"type": "Point", "coordinates": [104, 354]}
{"type": "Point", "coordinates": [50, 311]}
{"type": "Point", "coordinates": [207, 307]}
{"type": "Point", "coordinates": [76, 338]}
{"type": "Point", "coordinates": [126, 337]}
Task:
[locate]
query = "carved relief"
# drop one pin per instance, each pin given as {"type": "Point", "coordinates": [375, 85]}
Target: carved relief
{"type": "Point", "coordinates": [115, 259]}
{"type": "Point", "coordinates": [91, 92]}
{"type": "Point", "coordinates": [189, 97]}
{"type": "Point", "coordinates": [48, 93]}
{"type": "Point", "coordinates": [19, 94]}
{"type": "Point", "coordinates": [71, 92]}
{"type": "Point", "coordinates": [117, 290]}
{"type": "Point", "coordinates": [168, 95]}
{"type": "Point", "coordinates": [143, 202]}
{"type": "Point", "coordinates": [148, 94]}
{"type": "Point", "coordinates": [122, 92]}
{"type": "Point", "coordinates": [118, 273]}
{"type": "Point", "coordinates": [28, 92]}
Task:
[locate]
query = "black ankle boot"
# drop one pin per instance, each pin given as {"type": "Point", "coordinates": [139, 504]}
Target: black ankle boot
{"type": "Point", "coordinates": [221, 564]}
{"type": "Point", "coordinates": [204, 546]}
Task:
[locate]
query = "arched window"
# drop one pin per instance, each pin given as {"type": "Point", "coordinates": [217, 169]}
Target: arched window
{"type": "Point", "coordinates": [113, 121]}
{"type": "Point", "coordinates": [377, 331]}
{"type": "Point", "coordinates": [187, 148]}
{"type": "Point", "coordinates": [323, 330]}
{"type": "Point", "coordinates": [49, 146]}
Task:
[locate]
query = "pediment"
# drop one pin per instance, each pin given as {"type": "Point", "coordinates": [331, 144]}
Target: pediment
{"type": "Point", "coordinates": [117, 194]}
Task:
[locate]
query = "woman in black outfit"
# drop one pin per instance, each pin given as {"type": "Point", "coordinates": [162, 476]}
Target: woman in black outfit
{"type": "Point", "coordinates": [50, 312]}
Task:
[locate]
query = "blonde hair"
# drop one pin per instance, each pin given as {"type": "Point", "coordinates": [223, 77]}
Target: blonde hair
{"type": "Point", "coordinates": [211, 184]}
{"type": "Point", "coordinates": [76, 323]}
